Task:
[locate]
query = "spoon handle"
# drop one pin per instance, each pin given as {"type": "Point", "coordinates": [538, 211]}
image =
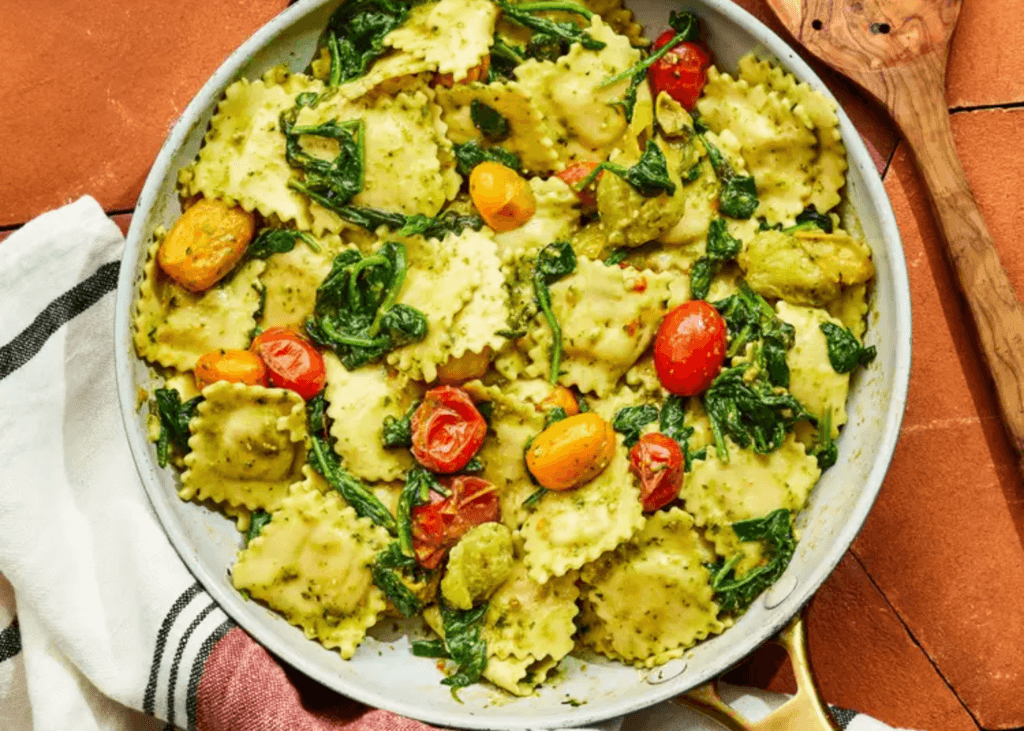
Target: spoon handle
{"type": "Point", "coordinates": [916, 96]}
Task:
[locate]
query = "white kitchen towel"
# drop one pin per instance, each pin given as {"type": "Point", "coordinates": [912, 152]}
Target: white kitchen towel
{"type": "Point", "coordinates": [101, 624]}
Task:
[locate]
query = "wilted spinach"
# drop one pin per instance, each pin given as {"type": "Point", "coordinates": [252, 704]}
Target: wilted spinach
{"type": "Point", "coordinates": [466, 647]}
{"type": "Point", "coordinates": [388, 567]}
{"type": "Point", "coordinates": [810, 218]}
{"type": "Point", "coordinates": [754, 414]}
{"type": "Point", "coordinates": [491, 123]}
{"type": "Point", "coordinates": [551, 39]}
{"type": "Point", "coordinates": [356, 32]}
{"type": "Point", "coordinates": [631, 420]}
{"type": "Point", "coordinates": [672, 424]}
{"type": "Point", "coordinates": [554, 262]}
{"type": "Point", "coordinates": [554, 415]}
{"type": "Point", "coordinates": [825, 450]}
{"type": "Point", "coordinates": [272, 241]}
{"type": "Point", "coordinates": [738, 197]}
{"type": "Point", "coordinates": [845, 352]}
{"type": "Point", "coordinates": [750, 318]}
{"type": "Point", "coordinates": [617, 257]}
{"type": "Point", "coordinates": [649, 176]}
{"type": "Point", "coordinates": [257, 522]}
{"type": "Point", "coordinates": [397, 431]}
{"type": "Point", "coordinates": [419, 483]}
{"type": "Point", "coordinates": [470, 154]}
{"type": "Point", "coordinates": [776, 531]}
{"type": "Point", "coordinates": [721, 247]}
{"type": "Point", "coordinates": [333, 181]}
{"type": "Point", "coordinates": [356, 313]}
{"type": "Point", "coordinates": [504, 59]}
{"type": "Point", "coordinates": [686, 28]}
{"type": "Point", "coordinates": [174, 417]}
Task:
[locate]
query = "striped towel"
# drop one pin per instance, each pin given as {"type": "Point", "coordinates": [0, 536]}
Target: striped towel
{"type": "Point", "coordinates": [101, 624]}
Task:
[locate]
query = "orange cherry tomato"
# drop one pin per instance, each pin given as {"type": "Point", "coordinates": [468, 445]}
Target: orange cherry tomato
{"type": "Point", "coordinates": [574, 175]}
{"type": "Point", "coordinates": [291, 360]}
{"type": "Point", "coordinates": [503, 197]}
{"type": "Point", "coordinates": [571, 452]}
{"type": "Point", "coordinates": [439, 525]}
{"type": "Point", "coordinates": [205, 243]}
{"type": "Point", "coordinates": [234, 366]}
{"type": "Point", "coordinates": [447, 430]}
{"type": "Point", "coordinates": [682, 72]}
{"type": "Point", "coordinates": [561, 397]}
{"type": "Point", "coordinates": [689, 348]}
{"type": "Point", "coordinates": [658, 463]}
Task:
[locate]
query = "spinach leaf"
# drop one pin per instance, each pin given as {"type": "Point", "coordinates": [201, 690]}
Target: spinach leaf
{"type": "Point", "coordinates": [736, 594]}
{"type": "Point", "coordinates": [174, 417]}
{"type": "Point", "coordinates": [470, 154]}
{"type": "Point", "coordinates": [356, 314]}
{"type": "Point", "coordinates": [492, 125]}
{"type": "Point", "coordinates": [554, 262]}
{"type": "Point", "coordinates": [504, 59]}
{"type": "Point", "coordinates": [429, 648]}
{"type": "Point", "coordinates": [554, 416]}
{"type": "Point", "coordinates": [738, 197]}
{"type": "Point", "coordinates": [617, 257]}
{"type": "Point", "coordinates": [672, 424]}
{"type": "Point", "coordinates": [397, 432]}
{"type": "Point", "coordinates": [845, 352]}
{"type": "Point", "coordinates": [555, 37]}
{"type": "Point", "coordinates": [631, 420]}
{"type": "Point", "coordinates": [386, 571]}
{"type": "Point", "coordinates": [473, 466]}
{"type": "Point", "coordinates": [825, 450]}
{"type": "Point", "coordinates": [649, 176]}
{"type": "Point", "coordinates": [531, 502]}
{"type": "Point", "coordinates": [419, 483]}
{"type": "Point", "coordinates": [257, 522]}
{"type": "Point", "coordinates": [754, 415]}
{"type": "Point", "coordinates": [466, 647]}
{"type": "Point", "coordinates": [356, 34]}
{"type": "Point", "coordinates": [750, 318]}
{"type": "Point", "coordinates": [337, 180]}
{"type": "Point", "coordinates": [810, 218]}
{"type": "Point", "coordinates": [693, 173]}
{"type": "Point", "coordinates": [277, 241]}
{"type": "Point", "coordinates": [721, 247]}
{"type": "Point", "coordinates": [686, 28]}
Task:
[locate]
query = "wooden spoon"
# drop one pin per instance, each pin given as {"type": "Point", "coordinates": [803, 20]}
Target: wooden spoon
{"type": "Point", "coordinates": [897, 51]}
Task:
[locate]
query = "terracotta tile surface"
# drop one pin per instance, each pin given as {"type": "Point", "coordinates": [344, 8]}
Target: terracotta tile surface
{"type": "Point", "coordinates": [944, 542]}
{"type": "Point", "coordinates": [863, 658]}
{"type": "Point", "coordinates": [89, 91]}
{"type": "Point", "coordinates": [986, 63]}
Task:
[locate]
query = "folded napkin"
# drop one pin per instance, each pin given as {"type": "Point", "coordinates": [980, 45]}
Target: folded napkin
{"type": "Point", "coordinates": [101, 624]}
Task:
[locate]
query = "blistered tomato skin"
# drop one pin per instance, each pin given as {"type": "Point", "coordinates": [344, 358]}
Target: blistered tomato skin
{"type": "Point", "coordinates": [682, 73]}
{"type": "Point", "coordinates": [571, 452]}
{"type": "Point", "coordinates": [574, 175]}
{"type": "Point", "coordinates": [657, 461]}
{"type": "Point", "coordinates": [689, 348]}
{"type": "Point", "coordinates": [447, 430]}
{"type": "Point", "coordinates": [438, 525]}
{"type": "Point", "coordinates": [292, 361]}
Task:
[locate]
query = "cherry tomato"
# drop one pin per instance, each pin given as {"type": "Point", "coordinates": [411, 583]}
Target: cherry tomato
{"type": "Point", "coordinates": [689, 348]}
{"type": "Point", "coordinates": [235, 366]}
{"type": "Point", "coordinates": [574, 174]}
{"type": "Point", "coordinates": [682, 72]}
{"type": "Point", "coordinates": [291, 361]}
{"type": "Point", "coordinates": [477, 73]}
{"type": "Point", "coordinates": [447, 430]}
{"type": "Point", "coordinates": [503, 197]}
{"type": "Point", "coordinates": [439, 525]}
{"type": "Point", "coordinates": [657, 461]}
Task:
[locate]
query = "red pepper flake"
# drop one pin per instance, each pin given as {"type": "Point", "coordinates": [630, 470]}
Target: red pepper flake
{"type": "Point", "coordinates": [640, 285]}
{"type": "Point", "coordinates": [631, 327]}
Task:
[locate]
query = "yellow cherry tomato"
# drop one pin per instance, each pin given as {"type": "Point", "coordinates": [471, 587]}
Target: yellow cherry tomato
{"type": "Point", "coordinates": [234, 366]}
{"type": "Point", "coordinates": [571, 452]}
{"type": "Point", "coordinates": [562, 397]}
{"type": "Point", "coordinates": [205, 243]}
{"type": "Point", "coordinates": [503, 197]}
{"type": "Point", "coordinates": [464, 368]}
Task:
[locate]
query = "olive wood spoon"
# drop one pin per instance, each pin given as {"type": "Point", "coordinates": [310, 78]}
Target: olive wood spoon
{"type": "Point", "coordinates": [897, 51]}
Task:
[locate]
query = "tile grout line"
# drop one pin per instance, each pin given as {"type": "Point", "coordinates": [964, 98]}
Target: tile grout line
{"type": "Point", "coordinates": [986, 107]}
{"type": "Point", "coordinates": [892, 156]}
{"type": "Point", "coordinates": [913, 638]}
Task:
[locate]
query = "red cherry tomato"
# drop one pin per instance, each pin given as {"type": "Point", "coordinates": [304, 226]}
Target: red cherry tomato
{"type": "Point", "coordinates": [292, 361]}
{"type": "Point", "coordinates": [690, 347]}
{"type": "Point", "coordinates": [574, 174]}
{"type": "Point", "coordinates": [447, 430]}
{"type": "Point", "coordinates": [657, 461]}
{"type": "Point", "coordinates": [682, 72]}
{"type": "Point", "coordinates": [439, 525]}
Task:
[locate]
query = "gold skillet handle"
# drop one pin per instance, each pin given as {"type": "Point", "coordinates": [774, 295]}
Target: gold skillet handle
{"type": "Point", "coordinates": [804, 711]}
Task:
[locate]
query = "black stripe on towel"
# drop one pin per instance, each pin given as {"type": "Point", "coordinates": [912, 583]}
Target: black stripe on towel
{"type": "Point", "coordinates": [149, 700]}
{"type": "Point", "coordinates": [10, 641]}
{"type": "Point", "coordinates": [69, 305]}
{"type": "Point", "coordinates": [178, 653]}
{"type": "Point", "coordinates": [191, 700]}
{"type": "Point", "coordinates": [842, 716]}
